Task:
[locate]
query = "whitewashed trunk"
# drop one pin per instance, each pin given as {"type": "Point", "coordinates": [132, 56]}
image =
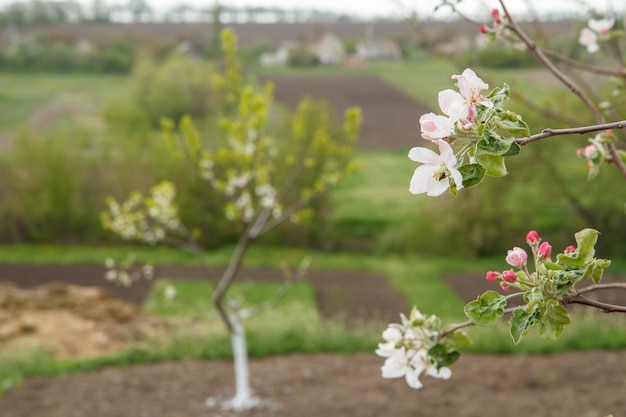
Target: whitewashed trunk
{"type": "Point", "coordinates": [243, 391]}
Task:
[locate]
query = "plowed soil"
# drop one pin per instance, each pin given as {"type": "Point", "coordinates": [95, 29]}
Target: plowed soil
{"type": "Point", "coordinates": [390, 117]}
{"type": "Point", "coordinates": [585, 384]}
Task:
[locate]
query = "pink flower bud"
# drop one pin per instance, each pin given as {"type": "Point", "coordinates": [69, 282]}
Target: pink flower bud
{"type": "Point", "coordinates": [483, 29]}
{"type": "Point", "coordinates": [505, 286]}
{"type": "Point", "coordinates": [492, 276]}
{"type": "Point", "coordinates": [545, 249]}
{"type": "Point", "coordinates": [532, 237]}
{"type": "Point", "coordinates": [497, 21]}
{"type": "Point", "coordinates": [516, 257]}
{"type": "Point", "coordinates": [609, 131]}
{"type": "Point", "coordinates": [570, 249]}
{"type": "Point", "coordinates": [509, 275]}
{"type": "Point", "coordinates": [495, 12]}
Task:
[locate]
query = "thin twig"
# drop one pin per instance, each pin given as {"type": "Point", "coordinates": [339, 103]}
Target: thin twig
{"type": "Point", "coordinates": [607, 308]}
{"type": "Point", "coordinates": [584, 66]}
{"type": "Point", "coordinates": [535, 50]}
{"type": "Point", "coordinates": [546, 133]}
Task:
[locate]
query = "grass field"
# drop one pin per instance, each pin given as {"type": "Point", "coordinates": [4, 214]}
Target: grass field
{"type": "Point", "coordinates": [21, 95]}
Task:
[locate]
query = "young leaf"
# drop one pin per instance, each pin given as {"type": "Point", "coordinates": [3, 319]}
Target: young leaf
{"type": "Point", "coordinates": [486, 309]}
{"type": "Point", "coordinates": [586, 240]}
{"type": "Point", "coordinates": [493, 164]}
{"type": "Point", "coordinates": [553, 321]}
{"type": "Point", "coordinates": [443, 356]}
{"type": "Point", "coordinates": [472, 174]}
{"type": "Point", "coordinates": [521, 321]}
{"type": "Point", "coordinates": [512, 123]}
{"type": "Point", "coordinates": [493, 144]}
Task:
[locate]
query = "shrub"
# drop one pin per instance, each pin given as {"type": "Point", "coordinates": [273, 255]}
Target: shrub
{"type": "Point", "coordinates": [178, 87]}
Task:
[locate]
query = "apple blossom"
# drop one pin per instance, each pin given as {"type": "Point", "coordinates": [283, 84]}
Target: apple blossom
{"type": "Point", "coordinates": [516, 257]}
{"type": "Point", "coordinates": [492, 276]}
{"type": "Point", "coordinates": [452, 104]}
{"type": "Point", "coordinates": [505, 286]}
{"type": "Point", "coordinates": [601, 26]}
{"type": "Point", "coordinates": [509, 275]}
{"type": "Point", "coordinates": [434, 126]}
{"type": "Point", "coordinates": [545, 249]}
{"type": "Point", "coordinates": [470, 87]}
{"type": "Point", "coordinates": [590, 35]}
{"type": "Point", "coordinates": [433, 177]}
{"type": "Point", "coordinates": [532, 237]}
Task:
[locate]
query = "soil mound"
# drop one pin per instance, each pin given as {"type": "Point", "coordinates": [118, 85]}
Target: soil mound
{"type": "Point", "coordinates": [70, 320]}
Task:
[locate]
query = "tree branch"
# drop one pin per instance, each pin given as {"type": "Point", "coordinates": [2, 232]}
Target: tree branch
{"type": "Point", "coordinates": [607, 308]}
{"type": "Point", "coordinates": [546, 133]}
{"type": "Point", "coordinates": [535, 50]}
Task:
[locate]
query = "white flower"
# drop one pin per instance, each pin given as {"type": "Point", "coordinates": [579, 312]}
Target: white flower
{"type": "Point", "coordinates": [471, 87]}
{"type": "Point", "coordinates": [411, 364]}
{"type": "Point", "coordinates": [589, 40]}
{"type": "Point", "coordinates": [601, 26]}
{"type": "Point", "coordinates": [433, 177]}
{"type": "Point", "coordinates": [590, 35]}
{"type": "Point", "coordinates": [434, 126]}
{"type": "Point", "coordinates": [392, 336]}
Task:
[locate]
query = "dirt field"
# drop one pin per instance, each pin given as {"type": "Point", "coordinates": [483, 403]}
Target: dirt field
{"type": "Point", "coordinates": [585, 384]}
{"type": "Point", "coordinates": [390, 117]}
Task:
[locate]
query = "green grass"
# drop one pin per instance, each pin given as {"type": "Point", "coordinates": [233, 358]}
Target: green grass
{"type": "Point", "coordinates": [377, 192]}
{"type": "Point", "coordinates": [21, 95]}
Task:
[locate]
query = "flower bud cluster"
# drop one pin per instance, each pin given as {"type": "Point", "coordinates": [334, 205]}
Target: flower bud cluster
{"type": "Point", "coordinates": [596, 153]}
{"type": "Point", "coordinates": [497, 24]}
{"type": "Point", "coordinates": [519, 276]}
{"type": "Point", "coordinates": [147, 219]}
{"type": "Point", "coordinates": [406, 349]}
{"type": "Point", "coordinates": [127, 271]}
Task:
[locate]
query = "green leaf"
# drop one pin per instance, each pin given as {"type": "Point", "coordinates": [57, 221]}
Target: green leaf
{"type": "Point", "coordinates": [598, 267]}
{"type": "Point", "coordinates": [457, 340]}
{"type": "Point", "coordinates": [553, 321]}
{"type": "Point", "coordinates": [442, 356]}
{"type": "Point", "coordinates": [472, 174]}
{"type": "Point", "coordinates": [486, 309]}
{"type": "Point", "coordinates": [586, 240]}
{"type": "Point", "coordinates": [512, 123]}
{"type": "Point", "coordinates": [513, 150]}
{"type": "Point", "coordinates": [493, 144]}
{"type": "Point", "coordinates": [521, 321]}
{"type": "Point", "coordinates": [493, 164]}
{"type": "Point", "coordinates": [499, 94]}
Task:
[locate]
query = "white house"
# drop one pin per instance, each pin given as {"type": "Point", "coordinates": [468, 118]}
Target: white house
{"type": "Point", "coordinates": [329, 49]}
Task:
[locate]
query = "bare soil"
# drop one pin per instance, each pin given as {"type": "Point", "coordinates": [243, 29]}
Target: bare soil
{"type": "Point", "coordinates": [390, 117]}
{"type": "Point", "coordinates": [586, 384]}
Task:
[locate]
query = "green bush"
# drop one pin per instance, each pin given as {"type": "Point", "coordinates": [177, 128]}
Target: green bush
{"type": "Point", "coordinates": [179, 86]}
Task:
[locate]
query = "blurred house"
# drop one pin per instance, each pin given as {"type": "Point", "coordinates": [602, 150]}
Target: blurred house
{"type": "Point", "coordinates": [371, 49]}
{"type": "Point", "coordinates": [278, 58]}
{"type": "Point", "coordinates": [329, 49]}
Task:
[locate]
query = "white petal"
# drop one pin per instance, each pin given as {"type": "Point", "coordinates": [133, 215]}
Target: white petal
{"type": "Point", "coordinates": [412, 378]}
{"type": "Point", "coordinates": [457, 177]}
{"type": "Point", "coordinates": [443, 373]}
{"type": "Point", "coordinates": [394, 367]}
{"type": "Point", "coordinates": [424, 156]}
{"type": "Point", "coordinates": [421, 179]}
{"type": "Point", "coordinates": [393, 335]}
{"type": "Point", "coordinates": [436, 188]}
{"type": "Point", "coordinates": [601, 25]}
{"type": "Point", "coordinates": [447, 154]}
{"type": "Point", "coordinates": [449, 101]}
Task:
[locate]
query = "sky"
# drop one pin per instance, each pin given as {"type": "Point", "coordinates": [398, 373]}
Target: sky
{"type": "Point", "coordinates": [369, 8]}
